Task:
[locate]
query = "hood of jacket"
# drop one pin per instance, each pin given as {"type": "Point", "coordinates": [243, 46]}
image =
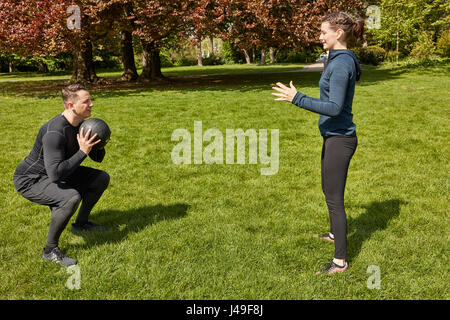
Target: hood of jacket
{"type": "Point", "coordinates": [334, 53]}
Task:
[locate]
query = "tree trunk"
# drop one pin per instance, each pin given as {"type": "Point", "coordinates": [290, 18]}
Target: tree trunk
{"type": "Point", "coordinates": [211, 39]}
{"type": "Point", "coordinates": [146, 64]}
{"type": "Point", "coordinates": [263, 56]}
{"type": "Point", "coordinates": [11, 67]}
{"type": "Point", "coordinates": [156, 64]}
{"type": "Point", "coordinates": [247, 57]}
{"type": "Point", "coordinates": [83, 64]}
{"type": "Point", "coordinates": [199, 54]}
{"type": "Point", "coordinates": [151, 62]}
{"type": "Point", "coordinates": [42, 67]}
{"type": "Point", "coordinates": [397, 40]}
{"type": "Point", "coordinates": [272, 55]}
{"type": "Point", "coordinates": [129, 67]}
{"type": "Point", "coordinates": [254, 55]}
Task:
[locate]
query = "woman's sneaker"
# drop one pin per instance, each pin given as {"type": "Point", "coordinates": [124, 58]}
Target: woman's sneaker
{"type": "Point", "coordinates": [333, 268]}
{"type": "Point", "coordinates": [57, 256]}
{"type": "Point", "coordinates": [326, 237]}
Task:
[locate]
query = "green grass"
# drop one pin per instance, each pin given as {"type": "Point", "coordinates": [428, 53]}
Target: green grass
{"type": "Point", "coordinates": [226, 231]}
{"type": "Point", "coordinates": [172, 71]}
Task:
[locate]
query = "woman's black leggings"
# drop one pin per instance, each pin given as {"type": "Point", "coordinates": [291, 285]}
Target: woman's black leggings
{"type": "Point", "coordinates": [336, 154]}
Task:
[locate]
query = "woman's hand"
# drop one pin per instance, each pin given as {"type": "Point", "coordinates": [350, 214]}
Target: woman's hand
{"type": "Point", "coordinates": [85, 142]}
{"type": "Point", "coordinates": [286, 94]}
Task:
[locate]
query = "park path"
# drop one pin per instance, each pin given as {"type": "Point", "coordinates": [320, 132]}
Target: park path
{"type": "Point", "coordinates": [33, 79]}
{"type": "Point", "coordinates": [310, 67]}
{"type": "Point", "coordinates": [313, 67]}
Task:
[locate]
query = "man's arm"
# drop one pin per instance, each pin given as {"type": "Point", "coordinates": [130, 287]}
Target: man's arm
{"type": "Point", "coordinates": [56, 165]}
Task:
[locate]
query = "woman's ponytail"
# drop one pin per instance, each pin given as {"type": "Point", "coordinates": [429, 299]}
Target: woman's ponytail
{"type": "Point", "coordinates": [358, 29]}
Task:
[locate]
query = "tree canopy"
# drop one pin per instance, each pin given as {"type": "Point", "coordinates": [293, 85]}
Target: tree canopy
{"type": "Point", "coordinates": [39, 27]}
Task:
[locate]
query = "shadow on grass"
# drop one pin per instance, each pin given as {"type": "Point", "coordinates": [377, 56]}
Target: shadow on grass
{"type": "Point", "coordinates": [234, 82]}
{"type": "Point", "coordinates": [183, 83]}
{"type": "Point", "coordinates": [375, 218]}
{"type": "Point", "coordinates": [124, 222]}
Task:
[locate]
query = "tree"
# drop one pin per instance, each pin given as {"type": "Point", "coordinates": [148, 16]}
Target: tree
{"type": "Point", "coordinates": [33, 27]}
{"type": "Point", "coordinates": [205, 20]}
{"type": "Point", "coordinates": [107, 24]}
{"type": "Point", "coordinates": [403, 21]}
{"type": "Point", "coordinates": [115, 23]}
{"type": "Point", "coordinates": [41, 27]}
{"type": "Point", "coordinates": [279, 23]}
{"type": "Point", "coordinates": [247, 26]}
{"type": "Point", "coordinates": [159, 23]}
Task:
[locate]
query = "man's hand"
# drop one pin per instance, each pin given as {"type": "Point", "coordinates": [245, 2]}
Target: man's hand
{"type": "Point", "coordinates": [86, 144]}
{"type": "Point", "coordinates": [286, 94]}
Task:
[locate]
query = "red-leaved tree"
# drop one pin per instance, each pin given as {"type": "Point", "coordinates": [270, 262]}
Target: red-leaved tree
{"type": "Point", "coordinates": [279, 23]}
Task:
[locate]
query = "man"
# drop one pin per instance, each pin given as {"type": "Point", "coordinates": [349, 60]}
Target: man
{"type": "Point", "coordinates": [52, 174]}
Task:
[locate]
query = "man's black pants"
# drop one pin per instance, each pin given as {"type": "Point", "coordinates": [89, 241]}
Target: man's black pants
{"type": "Point", "coordinates": [336, 154]}
{"type": "Point", "coordinates": [84, 184]}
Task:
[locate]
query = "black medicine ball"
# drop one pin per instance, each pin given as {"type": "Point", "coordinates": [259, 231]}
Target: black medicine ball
{"type": "Point", "coordinates": [98, 127]}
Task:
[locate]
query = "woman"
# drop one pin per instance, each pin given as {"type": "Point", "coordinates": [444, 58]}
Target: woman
{"type": "Point", "coordinates": [337, 87]}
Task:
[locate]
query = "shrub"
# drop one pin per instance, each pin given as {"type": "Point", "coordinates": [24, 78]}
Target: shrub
{"type": "Point", "coordinates": [164, 57]}
{"type": "Point", "coordinates": [424, 48]}
{"type": "Point", "coordinates": [392, 56]}
{"type": "Point", "coordinates": [184, 61]}
{"type": "Point", "coordinates": [370, 55]}
{"type": "Point", "coordinates": [230, 54]}
{"type": "Point", "coordinates": [105, 60]}
{"type": "Point", "coordinates": [443, 44]}
{"type": "Point", "coordinates": [212, 60]}
{"type": "Point", "coordinates": [294, 56]}
{"type": "Point", "coordinates": [61, 62]}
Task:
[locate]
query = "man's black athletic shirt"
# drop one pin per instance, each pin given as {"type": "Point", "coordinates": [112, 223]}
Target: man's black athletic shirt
{"type": "Point", "coordinates": [56, 152]}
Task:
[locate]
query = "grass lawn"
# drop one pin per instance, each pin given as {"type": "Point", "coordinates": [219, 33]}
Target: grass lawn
{"type": "Point", "coordinates": [226, 231]}
{"type": "Point", "coordinates": [178, 71]}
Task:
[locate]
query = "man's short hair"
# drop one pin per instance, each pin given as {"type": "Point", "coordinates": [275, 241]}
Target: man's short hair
{"type": "Point", "coordinates": [70, 93]}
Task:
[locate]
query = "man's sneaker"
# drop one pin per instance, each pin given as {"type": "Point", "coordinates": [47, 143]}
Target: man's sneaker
{"type": "Point", "coordinates": [327, 237]}
{"type": "Point", "coordinates": [57, 256]}
{"type": "Point", "coordinates": [333, 268]}
{"type": "Point", "coordinates": [88, 226]}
